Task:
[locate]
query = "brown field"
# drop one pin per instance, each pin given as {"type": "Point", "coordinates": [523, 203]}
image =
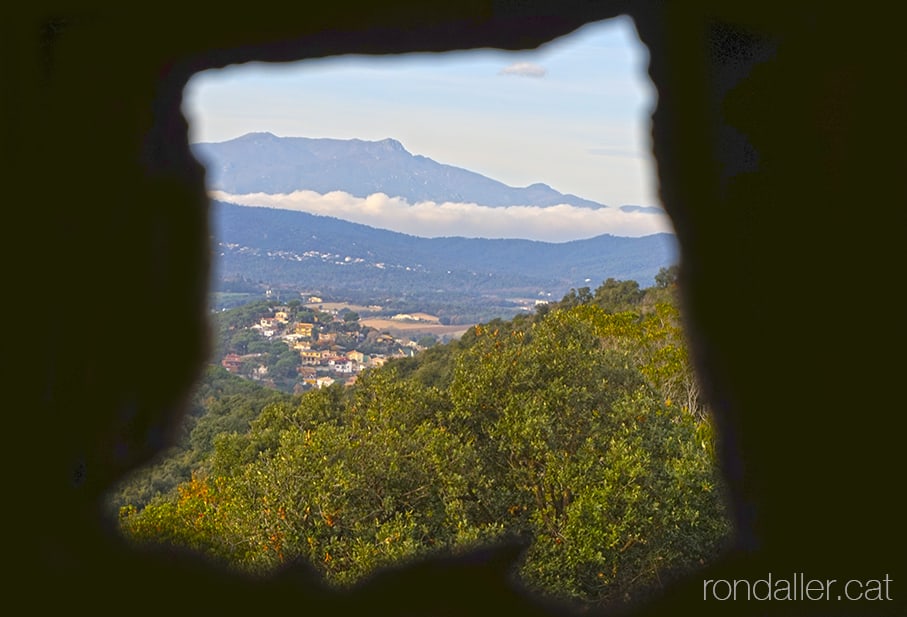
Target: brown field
{"type": "Point", "coordinates": [425, 317]}
{"type": "Point", "coordinates": [336, 306]}
{"type": "Point", "coordinates": [412, 328]}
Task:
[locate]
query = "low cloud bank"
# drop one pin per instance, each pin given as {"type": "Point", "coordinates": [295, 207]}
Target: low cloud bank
{"type": "Point", "coordinates": [428, 219]}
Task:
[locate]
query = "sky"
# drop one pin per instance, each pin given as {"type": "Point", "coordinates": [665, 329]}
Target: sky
{"type": "Point", "coordinates": [573, 114]}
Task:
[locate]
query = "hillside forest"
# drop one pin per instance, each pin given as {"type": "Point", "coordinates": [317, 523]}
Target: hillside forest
{"type": "Point", "coordinates": [578, 428]}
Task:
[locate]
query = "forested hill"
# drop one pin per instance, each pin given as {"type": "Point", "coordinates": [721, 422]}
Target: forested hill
{"type": "Point", "coordinates": [579, 426]}
{"type": "Point", "coordinates": [297, 248]}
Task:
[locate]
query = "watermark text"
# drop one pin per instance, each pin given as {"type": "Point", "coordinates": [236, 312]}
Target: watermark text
{"type": "Point", "coordinates": [798, 587]}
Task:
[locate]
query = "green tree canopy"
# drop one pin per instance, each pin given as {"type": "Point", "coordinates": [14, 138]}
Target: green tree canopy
{"type": "Point", "coordinates": [580, 428]}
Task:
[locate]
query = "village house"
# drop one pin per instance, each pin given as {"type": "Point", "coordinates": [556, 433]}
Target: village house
{"type": "Point", "coordinates": [232, 362]}
{"type": "Point", "coordinates": [324, 382]}
{"type": "Point", "coordinates": [292, 339]}
{"type": "Point", "coordinates": [268, 326]}
{"type": "Point", "coordinates": [310, 356]}
{"type": "Point", "coordinates": [357, 356]}
{"type": "Point", "coordinates": [282, 316]}
{"type": "Point", "coordinates": [341, 365]}
{"type": "Point", "coordinates": [304, 329]}
{"type": "Point", "coordinates": [376, 361]}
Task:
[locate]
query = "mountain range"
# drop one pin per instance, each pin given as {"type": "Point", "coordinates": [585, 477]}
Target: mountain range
{"type": "Point", "coordinates": [291, 248]}
{"type": "Point", "coordinates": [265, 163]}
{"type": "Point", "coordinates": [285, 247]}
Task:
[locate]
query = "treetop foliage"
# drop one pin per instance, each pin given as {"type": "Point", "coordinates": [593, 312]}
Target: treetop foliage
{"type": "Point", "coordinates": [580, 428]}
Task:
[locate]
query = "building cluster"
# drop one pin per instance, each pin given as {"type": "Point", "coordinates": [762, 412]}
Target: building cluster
{"type": "Point", "coordinates": [323, 348]}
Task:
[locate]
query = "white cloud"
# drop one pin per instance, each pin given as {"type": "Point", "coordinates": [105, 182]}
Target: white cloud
{"type": "Point", "coordinates": [558, 223]}
{"type": "Point", "coordinates": [524, 69]}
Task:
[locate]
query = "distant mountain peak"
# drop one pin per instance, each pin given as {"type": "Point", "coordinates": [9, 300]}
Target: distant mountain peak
{"type": "Point", "coordinates": [256, 136]}
{"type": "Point", "coordinates": [264, 163]}
{"type": "Point", "coordinates": [392, 144]}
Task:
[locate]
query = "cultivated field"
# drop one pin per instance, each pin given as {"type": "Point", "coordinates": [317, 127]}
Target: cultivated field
{"type": "Point", "coordinates": [337, 306]}
{"type": "Point", "coordinates": [412, 328]}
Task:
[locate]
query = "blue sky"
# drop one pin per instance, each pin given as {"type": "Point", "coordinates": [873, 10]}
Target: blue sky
{"type": "Point", "coordinates": [573, 113]}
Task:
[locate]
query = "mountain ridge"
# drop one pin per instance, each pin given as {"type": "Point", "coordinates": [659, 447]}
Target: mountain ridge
{"type": "Point", "coordinates": [262, 162]}
{"type": "Point", "coordinates": [298, 248]}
